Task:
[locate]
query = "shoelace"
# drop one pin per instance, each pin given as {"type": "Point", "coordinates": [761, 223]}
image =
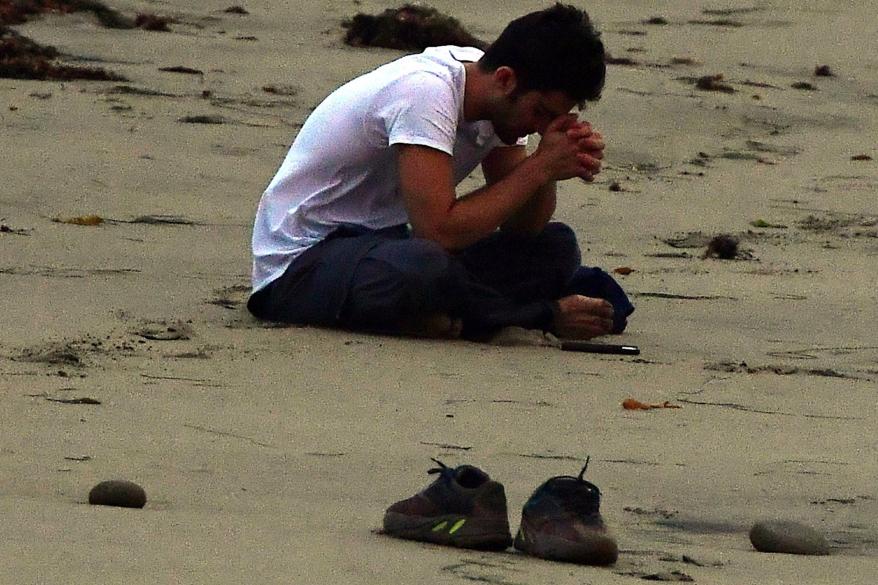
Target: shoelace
{"type": "Point", "coordinates": [442, 469]}
{"type": "Point", "coordinates": [445, 472]}
{"type": "Point", "coordinates": [579, 496]}
{"type": "Point", "coordinates": [581, 476]}
{"type": "Point", "coordinates": [465, 476]}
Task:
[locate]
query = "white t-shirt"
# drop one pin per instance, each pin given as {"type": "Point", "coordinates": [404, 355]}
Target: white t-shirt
{"type": "Point", "coordinates": [341, 169]}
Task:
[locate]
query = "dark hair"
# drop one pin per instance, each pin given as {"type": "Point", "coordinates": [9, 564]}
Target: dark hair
{"type": "Point", "coordinates": [556, 49]}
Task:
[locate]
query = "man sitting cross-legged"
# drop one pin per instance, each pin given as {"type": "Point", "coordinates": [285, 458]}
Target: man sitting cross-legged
{"type": "Point", "coordinates": [361, 227]}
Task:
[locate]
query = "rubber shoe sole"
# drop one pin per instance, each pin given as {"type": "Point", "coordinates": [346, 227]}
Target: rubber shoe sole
{"type": "Point", "coordinates": [451, 530]}
{"type": "Point", "coordinates": [595, 549]}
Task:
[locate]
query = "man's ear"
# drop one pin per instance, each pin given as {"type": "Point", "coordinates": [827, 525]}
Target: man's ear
{"type": "Point", "coordinates": [505, 80]}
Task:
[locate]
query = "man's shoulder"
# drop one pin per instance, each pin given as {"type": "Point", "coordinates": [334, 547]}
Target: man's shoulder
{"type": "Point", "coordinates": [438, 63]}
{"type": "Point", "coordinates": [415, 79]}
{"type": "Point", "coordinates": [446, 61]}
{"type": "Point", "coordinates": [458, 53]}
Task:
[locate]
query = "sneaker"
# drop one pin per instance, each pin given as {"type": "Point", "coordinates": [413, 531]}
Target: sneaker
{"type": "Point", "coordinates": [562, 522]}
{"type": "Point", "coordinates": [462, 508]}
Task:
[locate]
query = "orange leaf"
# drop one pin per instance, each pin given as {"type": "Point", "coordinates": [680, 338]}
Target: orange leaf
{"type": "Point", "coordinates": [623, 270]}
{"type": "Point", "coordinates": [632, 404]}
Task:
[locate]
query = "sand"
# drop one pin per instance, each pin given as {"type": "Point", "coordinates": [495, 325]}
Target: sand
{"type": "Point", "coordinates": [269, 454]}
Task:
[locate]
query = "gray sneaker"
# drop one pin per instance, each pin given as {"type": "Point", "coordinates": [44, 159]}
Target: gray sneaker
{"type": "Point", "coordinates": [562, 522]}
{"type": "Point", "coordinates": [463, 507]}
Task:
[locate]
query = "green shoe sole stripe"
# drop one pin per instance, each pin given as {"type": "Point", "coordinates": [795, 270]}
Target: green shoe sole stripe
{"type": "Point", "coordinates": [457, 526]}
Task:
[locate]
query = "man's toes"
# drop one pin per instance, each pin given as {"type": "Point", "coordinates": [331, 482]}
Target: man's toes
{"type": "Point", "coordinates": [601, 327]}
{"type": "Point", "coordinates": [600, 307]}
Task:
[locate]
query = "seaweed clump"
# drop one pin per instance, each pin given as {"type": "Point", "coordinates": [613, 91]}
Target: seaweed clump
{"type": "Point", "coordinates": [20, 11]}
{"type": "Point", "coordinates": [713, 83]}
{"type": "Point", "coordinates": [22, 58]}
{"type": "Point", "coordinates": [723, 246]}
{"type": "Point", "coordinates": [153, 22]}
{"type": "Point", "coordinates": [408, 27]}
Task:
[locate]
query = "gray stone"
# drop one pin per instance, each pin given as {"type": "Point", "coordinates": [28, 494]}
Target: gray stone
{"type": "Point", "coordinates": [117, 492]}
{"type": "Point", "coordinates": [786, 536]}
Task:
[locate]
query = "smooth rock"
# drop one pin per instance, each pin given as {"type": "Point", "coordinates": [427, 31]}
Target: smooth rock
{"type": "Point", "coordinates": [786, 536]}
{"type": "Point", "coordinates": [117, 492]}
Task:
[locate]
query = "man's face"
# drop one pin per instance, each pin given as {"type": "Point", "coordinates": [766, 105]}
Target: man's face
{"type": "Point", "coordinates": [530, 112]}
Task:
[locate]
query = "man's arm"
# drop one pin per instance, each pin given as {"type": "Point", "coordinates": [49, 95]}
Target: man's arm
{"type": "Point", "coordinates": [533, 216]}
{"type": "Point", "coordinates": [427, 185]}
{"type": "Point", "coordinates": [435, 213]}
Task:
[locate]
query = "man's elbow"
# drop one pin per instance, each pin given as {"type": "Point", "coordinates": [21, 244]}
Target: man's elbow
{"type": "Point", "coordinates": [449, 240]}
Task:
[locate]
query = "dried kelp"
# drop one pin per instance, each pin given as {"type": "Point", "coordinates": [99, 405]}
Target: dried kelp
{"type": "Point", "coordinates": [410, 27]}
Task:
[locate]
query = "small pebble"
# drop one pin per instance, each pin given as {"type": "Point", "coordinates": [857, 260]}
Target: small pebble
{"type": "Point", "coordinates": [785, 536]}
{"type": "Point", "coordinates": [117, 492]}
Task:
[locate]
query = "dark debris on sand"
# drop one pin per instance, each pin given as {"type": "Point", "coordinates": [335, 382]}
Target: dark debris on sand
{"type": "Point", "coordinates": [836, 222]}
{"type": "Point", "coordinates": [236, 10]}
{"type": "Point", "coordinates": [730, 11]}
{"type": "Point", "coordinates": [719, 22]}
{"type": "Point", "coordinates": [20, 11]}
{"type": "Point", "coordinates": [22, 58]}
{"type": "Point", "coordinates": [5, 229]}
{"type": "Point", "coordinates": [713, 83]}
{"type": "Point", "coordinates": [409, 27]}
{"type": "Point", "coordinates": [153, 22]}
{"type": "Point", "coordinates": [182, 69]}
{"type": "Point", "coordinates": [723, 246]}
{"type": "Point", "coordinates": [203, 119]}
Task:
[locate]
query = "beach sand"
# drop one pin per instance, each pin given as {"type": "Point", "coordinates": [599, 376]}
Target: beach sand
{"type": "Point", "coordinates": [269, 454]}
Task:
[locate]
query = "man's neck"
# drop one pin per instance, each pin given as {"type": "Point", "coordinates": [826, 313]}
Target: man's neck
{"type": "Point", "coordinates": [475, 93]}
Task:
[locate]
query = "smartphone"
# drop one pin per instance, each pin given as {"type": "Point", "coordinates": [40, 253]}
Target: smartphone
{"type": "Point", "coordinates": [586, 346]}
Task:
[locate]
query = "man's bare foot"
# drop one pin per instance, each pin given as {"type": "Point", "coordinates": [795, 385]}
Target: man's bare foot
{"type": "Point", "coordinates": [582, 317]}
{"type": "Point", "coordinates": [437, 326]}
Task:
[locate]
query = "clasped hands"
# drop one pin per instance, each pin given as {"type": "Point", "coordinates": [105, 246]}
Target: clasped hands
{"type": "Point", "coordinates": [590, 143]}
{"type": "Point", "coordinates": [572, 148]}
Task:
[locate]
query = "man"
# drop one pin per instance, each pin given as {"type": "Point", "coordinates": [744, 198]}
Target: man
{"type": "Point", "coordinates": [361, 227]}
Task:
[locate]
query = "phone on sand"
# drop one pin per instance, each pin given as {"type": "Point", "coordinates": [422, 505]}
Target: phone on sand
{"type": "Point", "coordinates": [587, 346]}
